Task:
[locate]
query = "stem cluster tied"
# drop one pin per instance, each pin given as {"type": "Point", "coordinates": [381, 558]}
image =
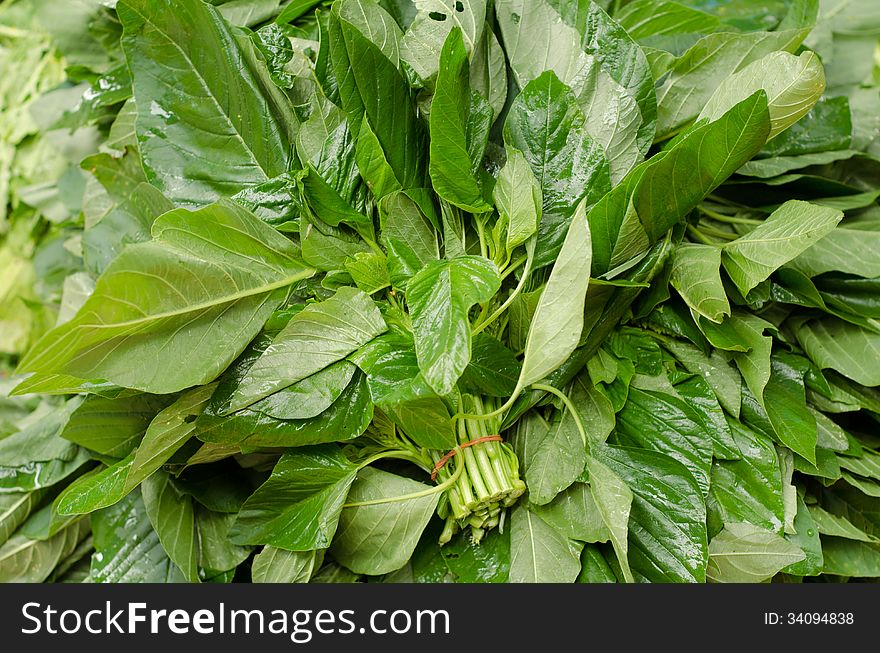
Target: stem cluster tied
{"type": "Point", "coordinates": [487, 473]}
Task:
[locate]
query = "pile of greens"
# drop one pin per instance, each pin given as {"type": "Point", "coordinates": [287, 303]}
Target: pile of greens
{"type": "Point", "coordinates": [439, 290]}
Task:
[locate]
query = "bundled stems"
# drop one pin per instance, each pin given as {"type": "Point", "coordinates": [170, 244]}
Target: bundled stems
{"type": "Point", "coordinates": [489, 481]}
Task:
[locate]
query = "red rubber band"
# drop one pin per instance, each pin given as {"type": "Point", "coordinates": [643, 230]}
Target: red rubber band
{"type": "Point", "coordinates": [445, 459]}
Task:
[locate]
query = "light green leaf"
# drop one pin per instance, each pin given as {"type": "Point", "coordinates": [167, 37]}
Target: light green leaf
{"type": "Point", "coordinates": [696, 275]}
{"type": "Point", "coordinates": [14, 509]}
{"type": "Point", "coordinates": [789, 231]}
{"type": "Point", "coordinates": [793, 85]}
{"type": "Point", "coordinates": [539, 553]}
{"type": "Point", "coordinates": [518, 197]}
{"type": "Point", "coordinates": [369, 271]}
{"type": "Point", "coordinates": [95, 490]}
{"type": "Point", "coordinates": [113, 427]}
{"type": "Point", "coordinates": [699, 71]}
{"type": "Point", "coordinates": [850, 249]}
{"type": "Point", "coordinates": [723, 378]}
{"type": "Point", "coordinates": [555, 458]}
{"type": "Point", "coordinates": [847, 348]}
{"type": "Point", "coordinates": [613, 499]}
{"type": "Point", "coordinates": [408, 237]}
{"type": "Point", "coordinates": [698, 162]}
{"type": "Point", "coordinates": [148, 329]}
{"type": "Point", "coordinates": [167, 433]}
{"type": "Point", "coordinates": [559, 317]}
{"type": "Point", "coordinates": [273, 565]}
{"type": "Point", "coordinates": [575, 513]}
{"type": "Point", "coordinates": [425, 36]}
{"type": "Point", "coordinates": [744, 553]}
{"type": "Point", "coordinates": [845, 557]}
{"type": "Point", "coordinates": [830, 524]}
{"type": "Point", "coordinates": [381, 538]}
{"type": "Point", "coordinates": [23, 560]}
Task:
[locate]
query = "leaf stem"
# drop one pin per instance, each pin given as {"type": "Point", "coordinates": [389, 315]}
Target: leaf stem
{"type": "Point", "coordinates": [399, 454]}
{"type": "Point", "coordinates": [696, 233]}
{"type": "Point", "coordinates": [568, 405]}
{"type": "Point", "coordinates": [459, 467]}
{"type": "Point", "coordinates": [720, 217]}
{"type": "Point", "coordinates": [500, 310]}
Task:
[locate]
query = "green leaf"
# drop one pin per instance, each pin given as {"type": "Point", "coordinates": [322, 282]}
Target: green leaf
{"type": "Point", "coordinates": [216, 553]}
{"type": "Point", "coordinates": [145, 329]}
{"type": "Point", "coordinates": [298, 508]}
{"type": "Point", "coordinates": [408, 237]}
{"type": "Point", "coordinates": [369, 270]}
{"type": "Point", "coordinates": [789, 231]}
{"type": "Point", "coordinates": [430, 28]}
{"type": "Point", "coordinates": [547, 126]}
{"type": "Point", "coordinates": [376, 95]}
{"type": "Point", "coordinates": [793, 85]}
{"type": "Point", "coordinates": [380, 538]}
{"type": "Point", "coordinates": [319, 335]}
{"type": "Point", "coordinates": [849, 248]}
{"type": "Point", "coordinates": [440, 296]}
{"type": "Point", "coordinates": [696, 275]}
{"type": "Point", "coordinates": [173, 518]}
{"type": "Point", "coordinates": [553, 456]}
{"type": "Point", "coordinates": [24, 560]}
{"type": "Point", "coordinates": [452, 166]}
{"type": "Point", "coordinates": [700, 160]}
{"type": "Point", "coordinates": [493, 369]}
{"type": "Point", "coordinates": [744, 553]}
{"type": "Point", "coordinates": [723, 378]}
{"type": "Point", "coordinates": [135, 557]}
{"type": "Point", "coordinates": [834, 344]}
{"type": "Point", "coordinates": [242, 130]}
{"type": "Point", "coordinates": [845, 557]}
{"type": "Point", "coordinates": [785, 403]}
{"type": "Point", "coordinates": [614, 500]}
{"type": "Point", "coordinates": [556, 326]}
{"type": "Point", "coordinates": [748, 490]}
{"type": "Point", "coordinates": [743, 334]}
{"type": "Point", "coordinates": [167, 433]}
{"type": "Point", "coordinates": [575, 513]}
{"type": "Point", "coordinates": [14, 510]}
{"type": "Point", "coordinates": [400, 390]}
{"type": "Point", "coordinates": [660, 422]}
{"type": "Point", "coordinates": [485, 562]}
{"type": "Point", "coordinates": [37, 456]}
{"type": "Point", "coordinates": [592, 54]}
{"type": "Point", "coordinates": [698, 72]}
{"type": "Point", "coordinates": [347, 418]}
{"type": "Point", "coordinates": [113, 427]}
{"type": "Point", "coordinates": [95, 490]}
{"type": "Point", "coordinates": [697, 392]}
{"type": "Point", "coordinates": [273, 565]}
{"type": "Point", "coordinates": [539, 553]}
{"type": "Point", "coordinates": [667, 526]}
{"type": "Point", "coordinates": [835, 525]}
{"type": "Point", "coordinates": [311, 396]}
{"type": "Point", "coordinates": [518, 198]}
